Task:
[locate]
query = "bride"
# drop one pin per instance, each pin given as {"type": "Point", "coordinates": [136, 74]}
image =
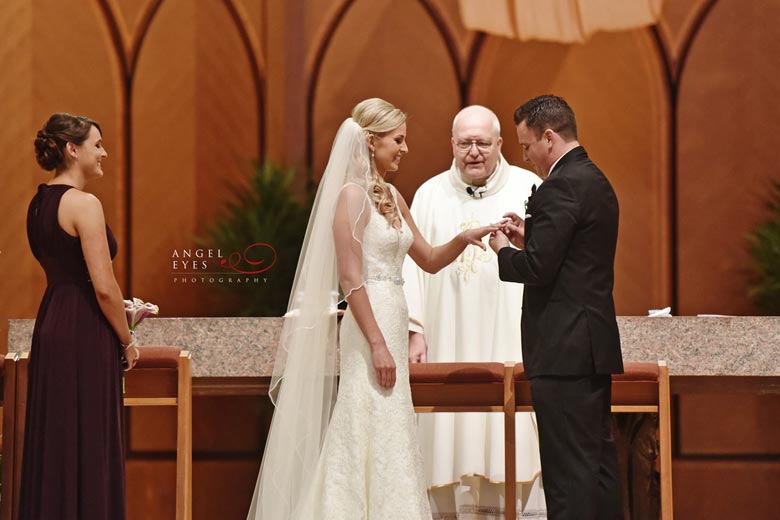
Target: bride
{"type": "Point", "coordinates": [359, 458]}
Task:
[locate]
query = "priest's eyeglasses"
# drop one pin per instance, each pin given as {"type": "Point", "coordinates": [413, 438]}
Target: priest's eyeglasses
{"type": "Point", "coordinates": [465, 146]}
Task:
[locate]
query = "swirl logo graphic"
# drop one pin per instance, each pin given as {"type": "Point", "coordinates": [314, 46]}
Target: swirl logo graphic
{"type": "Point", "coordinates": [256, 258]}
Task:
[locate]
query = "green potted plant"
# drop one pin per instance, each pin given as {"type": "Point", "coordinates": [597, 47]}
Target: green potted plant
{"type": "Point", "coordinates": [764, 243]}
{"type": "Point", "coordinates": [264, 211]}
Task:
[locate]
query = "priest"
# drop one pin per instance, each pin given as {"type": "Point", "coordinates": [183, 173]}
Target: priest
{"type": "Point", "coordinates": [464, 313]}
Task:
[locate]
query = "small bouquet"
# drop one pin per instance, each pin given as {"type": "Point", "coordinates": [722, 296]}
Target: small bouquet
{"type": "Point", "coordinates": [137, 310]}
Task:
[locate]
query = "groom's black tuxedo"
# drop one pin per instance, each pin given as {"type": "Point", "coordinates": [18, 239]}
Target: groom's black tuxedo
{"type": "Point", "coordinates": [571, 226]}
{"type": "Point", "coordinates": [570, 337]}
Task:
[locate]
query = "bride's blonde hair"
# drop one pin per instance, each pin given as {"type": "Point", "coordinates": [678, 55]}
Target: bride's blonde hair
{"type": "Point", "coordinates": [377, 116]}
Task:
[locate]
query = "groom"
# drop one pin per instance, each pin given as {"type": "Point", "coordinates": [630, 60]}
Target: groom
{"type": "Point", "coordinates": [570, 337]}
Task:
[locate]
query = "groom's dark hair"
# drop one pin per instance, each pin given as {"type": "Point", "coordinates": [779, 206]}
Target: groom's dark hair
{"type": "Point", "coordinates": [548, 111]}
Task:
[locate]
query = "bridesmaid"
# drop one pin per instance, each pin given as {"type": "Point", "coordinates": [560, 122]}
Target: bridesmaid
{"type": "Point", "coordinates": [73, 465]}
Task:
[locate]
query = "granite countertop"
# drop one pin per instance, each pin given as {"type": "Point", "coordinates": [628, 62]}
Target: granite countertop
{"type": "Point", "coordinates": [711, 346]}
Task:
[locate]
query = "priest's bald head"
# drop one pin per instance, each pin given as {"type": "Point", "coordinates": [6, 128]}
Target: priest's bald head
{"type": "Point", "coordinates": [476, 143]}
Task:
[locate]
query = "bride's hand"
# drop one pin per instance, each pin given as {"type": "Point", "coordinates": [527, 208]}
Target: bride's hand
{"type": "Point", "coordinates": [474, 236]}
{"type": "Point", "coordinates": [384, 366]}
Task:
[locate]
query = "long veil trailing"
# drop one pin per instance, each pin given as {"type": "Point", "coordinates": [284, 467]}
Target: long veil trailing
{"type": "Point", "coordinates": [303, 386]}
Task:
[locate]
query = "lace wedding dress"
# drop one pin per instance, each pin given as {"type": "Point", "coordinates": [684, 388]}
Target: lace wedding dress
{"type": "Point", "coordinates": [370, 467]}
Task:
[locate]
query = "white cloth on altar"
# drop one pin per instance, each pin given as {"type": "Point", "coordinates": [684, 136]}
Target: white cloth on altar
{"type": "Point", "coordinates": [468, 314]}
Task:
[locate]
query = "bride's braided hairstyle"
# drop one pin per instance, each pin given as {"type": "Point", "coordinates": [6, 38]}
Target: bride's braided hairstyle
{"type": "Point", "coordinates": [377, 116]}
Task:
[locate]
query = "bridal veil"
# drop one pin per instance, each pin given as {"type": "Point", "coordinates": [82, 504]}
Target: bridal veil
{"type": "Point", "coordinates": [303, 386]}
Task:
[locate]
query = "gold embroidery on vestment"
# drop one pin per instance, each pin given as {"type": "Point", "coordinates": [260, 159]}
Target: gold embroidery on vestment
{"type": "Point", "coordinates": [472, 256]}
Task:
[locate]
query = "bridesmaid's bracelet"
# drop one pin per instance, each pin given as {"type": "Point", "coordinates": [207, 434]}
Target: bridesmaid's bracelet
{"type": "Point", "coordinates": [132, 341]}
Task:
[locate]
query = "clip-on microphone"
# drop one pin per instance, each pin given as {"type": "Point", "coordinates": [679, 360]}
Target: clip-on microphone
{"type": "Point", "coordinates": [479, 191]}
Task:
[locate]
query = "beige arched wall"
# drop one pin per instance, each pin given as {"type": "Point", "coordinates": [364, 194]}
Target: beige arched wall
{"type": "Point", "coordinates": [727, 152]}
{"type": "Point", "coordinates": [414, 73]}
{"type": "Point", "coordinates": [195, 128]}
{"type": "Point", "coordinates": [615, 85]}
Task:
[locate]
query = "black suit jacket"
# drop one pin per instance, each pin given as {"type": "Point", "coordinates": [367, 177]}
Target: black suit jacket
{"type": "Point", "coordinates": [567, 266]}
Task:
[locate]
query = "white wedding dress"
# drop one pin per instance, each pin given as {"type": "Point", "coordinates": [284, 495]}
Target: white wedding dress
{"type": "Point", "coordinates": [370, 467]}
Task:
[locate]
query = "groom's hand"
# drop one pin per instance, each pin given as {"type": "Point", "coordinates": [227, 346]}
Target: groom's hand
{"type": "Point", "coordinates": [498, 241]}
{"type": "Point", "coordinates": [418, 348]}
{"type": "Point", "coordinates": [514, 229]}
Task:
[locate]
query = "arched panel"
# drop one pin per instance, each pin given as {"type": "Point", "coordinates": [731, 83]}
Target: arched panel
{"type": "Point", "coordinates": [678, 19]}
{"type": "Point", "coordinates": [254, 13]}
{"type": "Point", "coordinates": [727, 151]}
{"type": "Point", "coordinates": [163, 122]}
{"type": "Point", "coordinates": [250, 19]}
{"type": "Point", "coordinates": [227, 108]}
{"type": "Point", "coordinates": [320, 16]}
{"type": "Point", "coordinates": [129, 15]}
{"type": "Point", "coordinates": [616, 87]}
{"type": "Point", "coordinates": [367, 57]}
{"type": "Point", "coordinates": [463, 39]}
{"type": "Point", "coordinates": [195, 129]}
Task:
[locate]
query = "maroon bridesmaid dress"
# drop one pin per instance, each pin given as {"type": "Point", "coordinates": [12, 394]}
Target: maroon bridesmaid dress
{"type": "Point", "coordinates": [73, 466]}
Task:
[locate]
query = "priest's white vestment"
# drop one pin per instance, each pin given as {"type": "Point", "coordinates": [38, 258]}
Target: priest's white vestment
{"type": "Point", "coordinates": [468, 314]}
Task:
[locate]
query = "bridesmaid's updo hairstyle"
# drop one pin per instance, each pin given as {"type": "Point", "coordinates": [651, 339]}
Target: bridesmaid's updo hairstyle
{"type": "Point", "coordinates": [60, 129]}
{"type": "Point", "coordinates": [377, 116]}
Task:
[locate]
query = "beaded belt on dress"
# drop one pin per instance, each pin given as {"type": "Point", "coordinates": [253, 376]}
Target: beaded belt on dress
{"type": "Point", "coordinates": [385, 278]}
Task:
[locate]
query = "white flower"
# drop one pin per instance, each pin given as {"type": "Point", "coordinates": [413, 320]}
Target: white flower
{"type": "Point", "coordinates": [137, 311]}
